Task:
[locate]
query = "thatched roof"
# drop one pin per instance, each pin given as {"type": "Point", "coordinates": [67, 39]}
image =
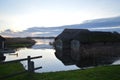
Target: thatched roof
{"type": "Point", "coordinates": [86, 36]}
{"type": "Point", "coordinates": [69, 34]}
{"type": "Point", "coordinates": [97, 36]}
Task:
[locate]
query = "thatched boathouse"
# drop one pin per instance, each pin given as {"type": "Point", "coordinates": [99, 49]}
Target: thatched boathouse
{"type": "Point", "coordinates": [63, 42]}
{"type": "Point", "coordinates": [2, 45]}
{"type": "Point", "coordinates": [2, 42]}
{"type": "Point", "coordinates": [82, 44]}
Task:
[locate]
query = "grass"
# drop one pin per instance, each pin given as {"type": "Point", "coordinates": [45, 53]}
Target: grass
{"type": "Point", "coordinates": [10, 68]}
{"type": "Point", "coordinates": [98, 73]}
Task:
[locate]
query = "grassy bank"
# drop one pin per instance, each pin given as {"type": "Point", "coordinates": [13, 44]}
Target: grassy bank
{"type": "Point", "coordinates": [19, 42]}
{"type": "Point", "coordinates": [98, 73]}
{"type": "Point", "coordinates": [10, 68]}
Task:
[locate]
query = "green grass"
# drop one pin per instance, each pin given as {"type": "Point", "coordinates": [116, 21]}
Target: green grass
{"type": "Point", "coordinates": [98, 73]}
{"type": "Point", "coordinates": [9, 68]}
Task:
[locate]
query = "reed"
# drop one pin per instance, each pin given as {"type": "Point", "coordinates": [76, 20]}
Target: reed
{"type": "Point", "coordinates": [19, 42]}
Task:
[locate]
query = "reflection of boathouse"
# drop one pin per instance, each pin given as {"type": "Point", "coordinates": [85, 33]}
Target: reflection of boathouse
{"type": "Point", "coordinates": [82, 44]}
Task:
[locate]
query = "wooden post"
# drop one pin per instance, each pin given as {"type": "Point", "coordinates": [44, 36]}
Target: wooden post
{"type": "Point", "coordinates": [31, 66]}
{"type": "Point", "coordinates": [28, 63]}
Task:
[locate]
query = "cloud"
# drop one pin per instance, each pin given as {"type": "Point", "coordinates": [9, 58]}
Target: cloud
{"type": "Point", "coordinates": [10, 33]}
{"type": "Point", "coordinates": [104, 24]}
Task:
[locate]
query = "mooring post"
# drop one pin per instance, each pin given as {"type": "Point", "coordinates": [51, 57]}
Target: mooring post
{"type": "Point", "coordinates": [28, 63]}
{"type": "Point", "coordinates": [31, 66]}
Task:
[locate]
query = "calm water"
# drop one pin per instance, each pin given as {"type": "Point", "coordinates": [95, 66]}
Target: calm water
{"type": "Point", "coordinates": [48, 61]}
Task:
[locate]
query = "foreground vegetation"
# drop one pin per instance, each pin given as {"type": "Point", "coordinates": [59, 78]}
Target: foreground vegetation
{"type": "Point", "coordinates": [19, 42]}
{"type": "Point", "coordinates": [98, 73]}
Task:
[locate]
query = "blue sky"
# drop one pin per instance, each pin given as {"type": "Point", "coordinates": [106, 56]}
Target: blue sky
{"type": "Point", "coordinates": [19, 15]}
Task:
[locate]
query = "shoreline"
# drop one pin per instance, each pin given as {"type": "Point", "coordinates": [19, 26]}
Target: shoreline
{"type": "Point", "coordinates": [98, 73]}
{"type": "Point", "coordinates": [19, 42]}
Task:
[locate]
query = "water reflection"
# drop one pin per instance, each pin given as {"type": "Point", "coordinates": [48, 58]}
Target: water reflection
{"type": "Point", "coordinates": [49, 62]}
{"type": "Point", "coordinates": [43, 44]}
{"type": "Point", "coordinates": [86, 61]}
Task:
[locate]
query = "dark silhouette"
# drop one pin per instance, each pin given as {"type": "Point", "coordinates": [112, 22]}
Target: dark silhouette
{"type": "Point", "coordinates": [87, 48]}
{"type": "Point", "coordinates": [2, 41]}
{"type": "Point", "coordinates": [2, 57]}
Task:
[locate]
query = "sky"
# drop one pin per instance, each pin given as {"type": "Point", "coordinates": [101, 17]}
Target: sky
{"type": "Point", "coordinates": [19, 15]}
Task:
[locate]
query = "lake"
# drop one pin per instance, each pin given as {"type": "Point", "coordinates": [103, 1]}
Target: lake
{"type": "Point", "coordinates": [49, 62]}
